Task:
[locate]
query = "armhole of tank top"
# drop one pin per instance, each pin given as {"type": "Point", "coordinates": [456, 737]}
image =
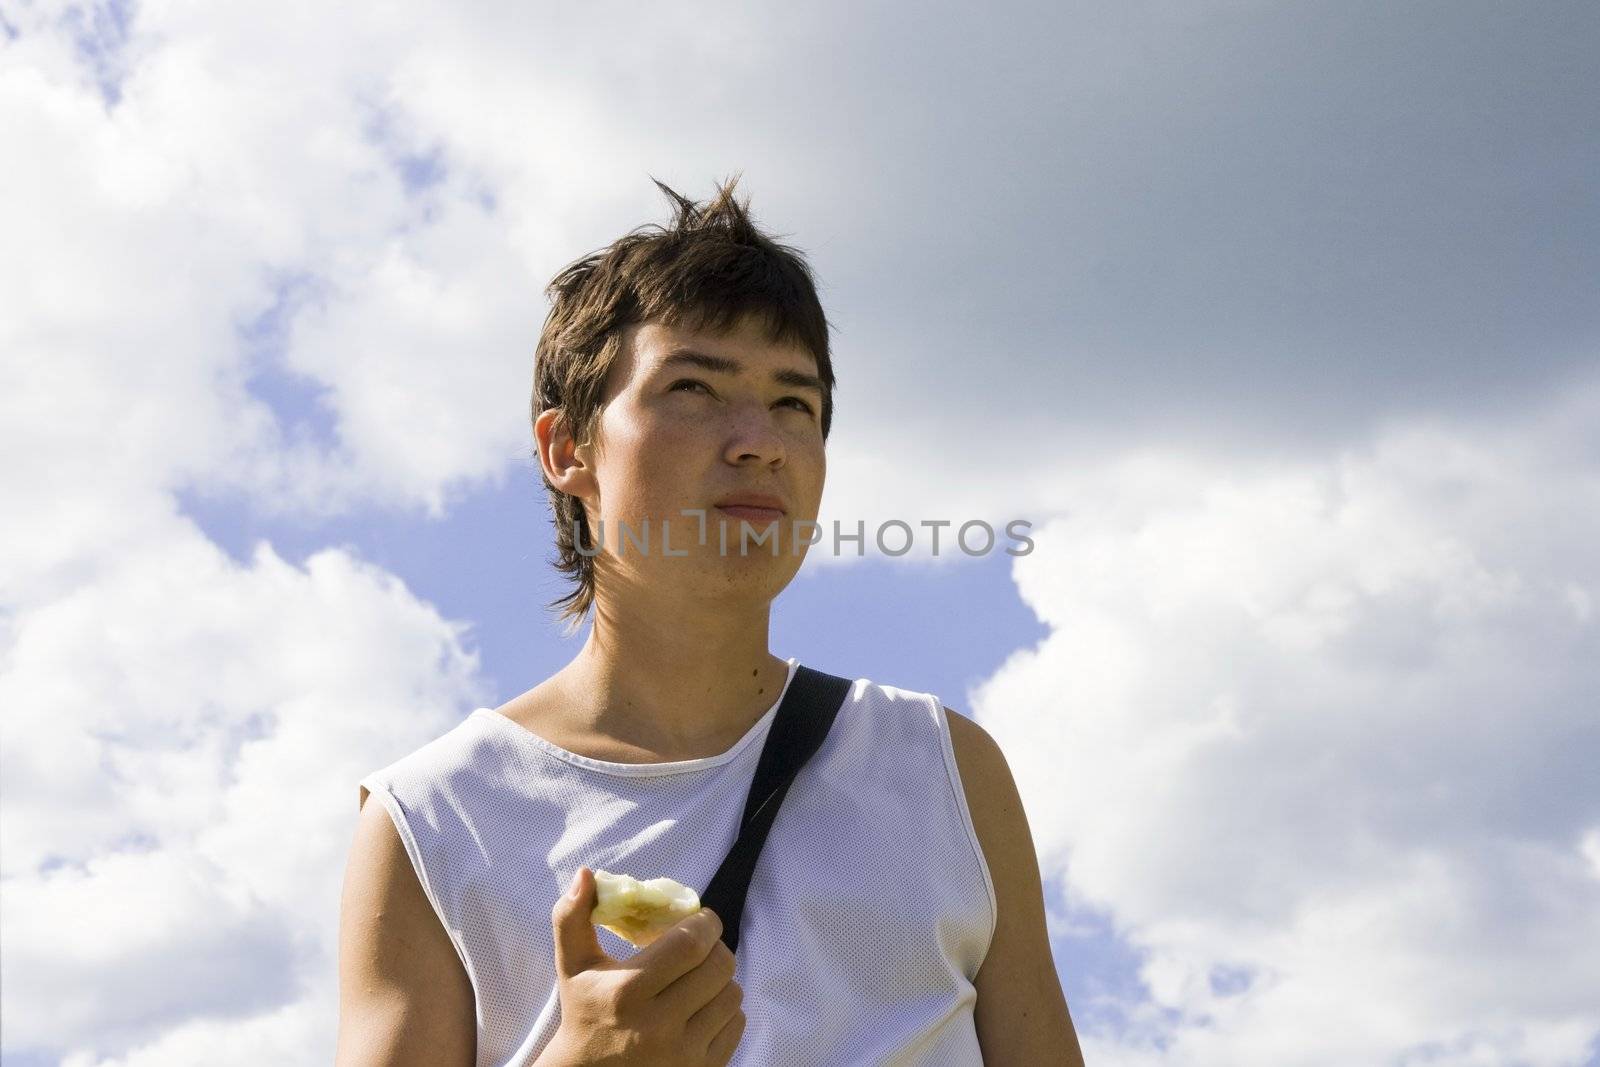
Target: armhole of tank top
{"type": "Point", "coordinates": [397, 815]}
{"type": "Point", "coordinates": [960, 794]}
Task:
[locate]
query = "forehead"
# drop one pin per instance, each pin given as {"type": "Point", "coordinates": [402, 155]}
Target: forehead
{"type": "Point", "coordinates": [648, 347]}
{"type": "Point", "coordinates": [746, 340]}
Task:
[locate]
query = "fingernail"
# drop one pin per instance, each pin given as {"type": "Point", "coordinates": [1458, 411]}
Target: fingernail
{"type": "Point", "coordinates": [577, 884]}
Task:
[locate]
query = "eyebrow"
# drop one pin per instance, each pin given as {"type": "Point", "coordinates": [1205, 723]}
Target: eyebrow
{"type": "Point", "coordinates": [722, 365]}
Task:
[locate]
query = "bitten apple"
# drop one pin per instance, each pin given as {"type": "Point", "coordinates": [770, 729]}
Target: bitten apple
{"type": "Point", "coordinates": [639, 912]}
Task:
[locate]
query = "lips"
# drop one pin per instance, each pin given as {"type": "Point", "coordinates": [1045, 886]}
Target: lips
{"type": "Point", "coordinates": [753, 505]}
{"type": "Point", "coordinates": [741, 511]}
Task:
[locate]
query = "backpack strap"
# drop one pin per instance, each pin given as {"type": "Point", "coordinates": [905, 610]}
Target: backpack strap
{"type": "Point", "coordinates": [802, 722]}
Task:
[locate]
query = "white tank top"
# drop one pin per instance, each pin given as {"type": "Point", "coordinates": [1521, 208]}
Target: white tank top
{"type": "Point", "coordinates": [869, 913]}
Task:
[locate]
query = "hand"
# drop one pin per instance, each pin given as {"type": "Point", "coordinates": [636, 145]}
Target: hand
{"type": "Point", "coordinates": [674, 1003]}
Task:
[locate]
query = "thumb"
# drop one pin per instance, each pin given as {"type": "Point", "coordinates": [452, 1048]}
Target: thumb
{"type": "Point", "coordinates": [577, 944]}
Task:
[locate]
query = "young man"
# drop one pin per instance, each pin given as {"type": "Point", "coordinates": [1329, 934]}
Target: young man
{"type": "Point", "coordinates": [684, 387]}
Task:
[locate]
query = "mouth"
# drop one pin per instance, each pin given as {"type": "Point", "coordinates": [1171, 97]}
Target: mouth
{"type": "Point", "coordinates": [755, 507]}
{"type": "Point", "coordinates": [749, 512]}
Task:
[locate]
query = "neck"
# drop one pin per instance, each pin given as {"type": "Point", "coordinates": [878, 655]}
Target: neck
{"type": "Point", "coordinates": [682, 679]}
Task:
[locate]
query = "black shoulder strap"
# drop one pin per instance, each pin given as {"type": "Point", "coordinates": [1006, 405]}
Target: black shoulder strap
{"type": "Point", "coordinates": [798, 729]}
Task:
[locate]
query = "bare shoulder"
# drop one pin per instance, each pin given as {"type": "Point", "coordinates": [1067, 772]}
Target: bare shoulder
{"type": "Point", "coordinates": [992, 799]}
{"type": "Point", "coordinates": [975, 750]}
{"type": "Point", "coordinates": [404, 997]}
{"type": "Point", "coordinates": [990, 790]}
{"type": "Point", "coordinates": [1021, 1013]}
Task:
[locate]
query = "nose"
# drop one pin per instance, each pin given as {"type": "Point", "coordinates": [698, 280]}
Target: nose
{"type": "Point", "coordinates": [754, 435]}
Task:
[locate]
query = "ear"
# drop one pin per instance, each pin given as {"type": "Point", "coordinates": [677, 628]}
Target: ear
{"type": "Point", "coordinates": [568, 464]}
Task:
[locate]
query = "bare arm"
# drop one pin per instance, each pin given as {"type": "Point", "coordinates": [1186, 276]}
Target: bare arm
{"type": "Point", "coordinates": [404, 997]}
{"type": "Point", "coordinates": [1021, 1013]}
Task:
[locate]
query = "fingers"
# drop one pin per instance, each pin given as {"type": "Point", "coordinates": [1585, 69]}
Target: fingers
{"type": "Point", "coordinates": [677, 952]}
{"type": "Point", "coordinates": [722, 1047]}
{"type": "Point", "coordinates": [705, 1024]}
{"type": "Point", "coordinates": [577, 945]}
{"type": "Point", "coordinates": [700, 985]}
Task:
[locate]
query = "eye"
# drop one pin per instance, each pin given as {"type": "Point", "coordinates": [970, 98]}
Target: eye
{"type": "Point", "coordinates": [688, 381]}
{"type": "Point", "coordinates": [805, 407]}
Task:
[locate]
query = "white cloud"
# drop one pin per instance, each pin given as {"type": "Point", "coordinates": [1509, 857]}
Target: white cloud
{"type": "Point", "coordinates": [1332, 726]}
{"type": "Point", "coordinates": [183, 733]}
{"type": "Point", "coordinates": [297, 1032]}
{"type": "Point", "coordinates": [182, 742]}
{"type": "Point", "coordinates": [244, 161]}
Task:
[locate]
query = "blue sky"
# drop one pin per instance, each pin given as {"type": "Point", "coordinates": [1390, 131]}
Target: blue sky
{"type": "Point", "coordinates": [1276, 320]}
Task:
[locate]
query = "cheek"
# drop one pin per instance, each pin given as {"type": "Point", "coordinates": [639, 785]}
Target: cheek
{"type": "Point", "coordinates": [809, 452]}
{"type": "Point", "coordinates": [649, 468]}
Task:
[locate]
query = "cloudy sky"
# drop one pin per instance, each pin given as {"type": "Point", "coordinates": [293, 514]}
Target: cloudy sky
{"type": "Point", "coordinates": [1277, 320]}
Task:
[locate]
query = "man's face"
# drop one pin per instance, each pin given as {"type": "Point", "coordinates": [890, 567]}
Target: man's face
{"type": "Point", "coordinates": [676, 433]}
